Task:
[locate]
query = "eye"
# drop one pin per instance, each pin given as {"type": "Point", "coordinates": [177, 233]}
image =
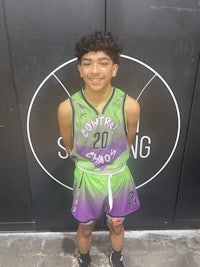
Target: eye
{"type": "Point", "coordinates": [86, 64]}
{"type": "Point", "coordinates": [104, 63]}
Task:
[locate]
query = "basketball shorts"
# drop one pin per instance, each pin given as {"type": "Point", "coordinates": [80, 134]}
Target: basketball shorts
{"type": "Point", "coordinates": [114, 194]}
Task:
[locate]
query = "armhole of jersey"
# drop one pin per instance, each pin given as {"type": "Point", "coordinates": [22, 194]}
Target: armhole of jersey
{"type": "Point", "coordinates": [124, 114]}
{"type": "Point", "coordinates": [72, 115]}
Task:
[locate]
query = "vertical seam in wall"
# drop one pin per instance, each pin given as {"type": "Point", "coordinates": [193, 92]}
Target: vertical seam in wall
{"type": "Point", "coordinates": [9, 49]}
{"type": "Point", "coordinates": [18, 111]}
{"type": "Point", "coordinates": [186, 136]}
{"type": "Point", "coordinates": [105, 29]}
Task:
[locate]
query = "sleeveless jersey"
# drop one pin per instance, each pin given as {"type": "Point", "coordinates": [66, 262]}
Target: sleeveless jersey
{"type": "Point", "coordinates": [100, 142]}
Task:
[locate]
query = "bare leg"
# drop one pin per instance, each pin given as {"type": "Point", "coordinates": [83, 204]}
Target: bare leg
{"type": "Point", "coordinates": [116, 236]}
{"type": "Point", "coordinates": [84, 237]}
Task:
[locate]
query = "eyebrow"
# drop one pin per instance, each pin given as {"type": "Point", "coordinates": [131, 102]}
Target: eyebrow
{"type": "Point", "coordinates": [99, 59]}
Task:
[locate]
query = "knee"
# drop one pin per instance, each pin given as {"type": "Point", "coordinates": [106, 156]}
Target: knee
{"type": "Point", "coordinates": [116, 229]}
{"type": "Point", "coordinates": [86, 230]}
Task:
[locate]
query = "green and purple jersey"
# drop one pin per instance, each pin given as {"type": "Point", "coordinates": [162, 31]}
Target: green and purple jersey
{"type": "Point", "coordinates": [100, 142]}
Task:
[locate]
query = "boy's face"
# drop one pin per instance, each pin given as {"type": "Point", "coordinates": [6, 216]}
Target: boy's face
{"type": "Point", "coordinates": [97, 70]}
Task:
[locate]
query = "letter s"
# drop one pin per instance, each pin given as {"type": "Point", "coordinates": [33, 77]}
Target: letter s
{"type": "Point", "coordinates": [65, 156]}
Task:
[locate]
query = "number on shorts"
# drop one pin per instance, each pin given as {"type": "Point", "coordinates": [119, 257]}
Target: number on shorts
{"type": "Point", "coordinates": [131, 197]}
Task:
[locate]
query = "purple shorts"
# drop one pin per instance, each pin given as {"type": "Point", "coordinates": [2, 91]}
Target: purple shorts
{"type": "Point", "coordinates": [114, 194]}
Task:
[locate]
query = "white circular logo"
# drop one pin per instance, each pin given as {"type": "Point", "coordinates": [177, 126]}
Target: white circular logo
{"type": "Point", "coordinates": [157, 134]}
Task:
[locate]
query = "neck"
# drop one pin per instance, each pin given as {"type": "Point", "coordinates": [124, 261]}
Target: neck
{"type": "Point", "coordinates": [98, 98]}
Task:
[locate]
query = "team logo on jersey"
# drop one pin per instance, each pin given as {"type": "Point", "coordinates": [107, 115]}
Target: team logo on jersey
{"type": "Point", "coordinates": [83, 115]}
{"type": "Point", "coordinates": [98, 122]}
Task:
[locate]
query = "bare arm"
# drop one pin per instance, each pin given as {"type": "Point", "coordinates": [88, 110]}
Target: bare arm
{"type": "Point", "coordinates": [65, 124]}
{"type": "Point", "coordinates": [132, 109]}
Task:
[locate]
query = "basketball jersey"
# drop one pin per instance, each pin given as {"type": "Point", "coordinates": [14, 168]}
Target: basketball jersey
{"type": "Point", "coordinates": [100, 142]}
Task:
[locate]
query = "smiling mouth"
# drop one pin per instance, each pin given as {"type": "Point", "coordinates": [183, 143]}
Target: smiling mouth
{"type": "Point", "coordinates": [95, 80]}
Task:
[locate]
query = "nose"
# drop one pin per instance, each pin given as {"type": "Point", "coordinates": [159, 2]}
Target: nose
{"type": "Point", "coordinates": [94, 68]}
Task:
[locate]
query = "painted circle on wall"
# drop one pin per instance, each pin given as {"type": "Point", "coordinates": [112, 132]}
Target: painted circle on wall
{"type": "Point", "coordinates": [153, 148]}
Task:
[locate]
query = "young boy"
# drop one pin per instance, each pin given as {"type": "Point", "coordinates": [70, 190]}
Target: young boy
{"type": "Point", "coordinates": [98, 125]}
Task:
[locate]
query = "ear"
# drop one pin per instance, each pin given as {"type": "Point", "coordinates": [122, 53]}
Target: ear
{"type": "Point", "coordinates": [80, 70]}
{"type": "Point", "coordinates": [115, 69]}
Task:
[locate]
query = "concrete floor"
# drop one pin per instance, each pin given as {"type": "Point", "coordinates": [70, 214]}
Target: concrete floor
{"type": "Point", "coordinates": [141, 249]}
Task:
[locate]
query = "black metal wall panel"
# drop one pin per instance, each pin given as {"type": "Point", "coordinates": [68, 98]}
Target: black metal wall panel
{"type": "Point", "coordinates": [189, 197]}
{"type": "Point", "coordinates": [15, 196]}
{"type": "Point", "coordinates": [158, 67]}
{"type": "Point", "coordinates": [161, 40]}
{"type": "Point", "coordinates": [42, 37]}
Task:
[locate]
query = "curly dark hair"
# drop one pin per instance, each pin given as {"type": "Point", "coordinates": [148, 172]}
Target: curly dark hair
{"type": "Point", "coordinates": [99, 41]}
